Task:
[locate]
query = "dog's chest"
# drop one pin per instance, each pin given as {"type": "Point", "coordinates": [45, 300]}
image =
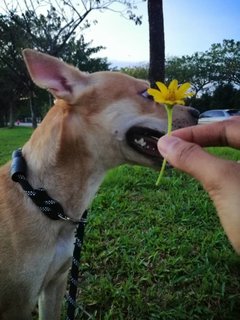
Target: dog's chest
{"type": "Point", "coordinates": [62, 255]}
{"type": "Point", "coordinates": [63, 249]}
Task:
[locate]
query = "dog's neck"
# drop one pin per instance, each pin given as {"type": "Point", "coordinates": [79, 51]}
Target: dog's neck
{"type": "Point", "coordinates": [68, 170]}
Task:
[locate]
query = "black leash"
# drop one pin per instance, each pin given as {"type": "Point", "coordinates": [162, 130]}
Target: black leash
{"type": "Point", "coordinates": [71, 298]}
{"type": "Point", "coordinates": [53, 210]}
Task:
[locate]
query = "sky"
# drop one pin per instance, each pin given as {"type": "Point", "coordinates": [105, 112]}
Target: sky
{"type": "Point", "coordinates": [190, 26]}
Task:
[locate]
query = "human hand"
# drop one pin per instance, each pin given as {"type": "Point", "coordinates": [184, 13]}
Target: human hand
{"type": "Point", "coordinates": [220, 178]}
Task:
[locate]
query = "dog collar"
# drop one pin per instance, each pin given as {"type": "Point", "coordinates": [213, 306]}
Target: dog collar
{"type": "Point", "coordinates": [48, 206]}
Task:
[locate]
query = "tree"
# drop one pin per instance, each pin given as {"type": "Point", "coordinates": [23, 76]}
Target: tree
{"type": "Point", "coordinates": [79, 53]}
{"type": "Point", "coordinates": [71, 17]}
{"type": "Point", "coordinates": [53, 27]}
{"type": "Point", "coordinates": [156, 41]}
{"type": "Point", "coordinates": [225, 97]}
{"type": "Point", "coordinates": [12, 71]}
{"type": "Point", "coordinates": [140, 72]}
{"type": "Point", "coordinates": [13, 39]}
{"type": "Point", "coordinates": [225, 57]}
{"type": "Point", "coordinates": [220, 65]}
{"type": "Point", "coordinates": [196, 69]}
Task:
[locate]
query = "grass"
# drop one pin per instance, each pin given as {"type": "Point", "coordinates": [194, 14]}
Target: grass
{"type": "Point", "coordinates": [152, 252]}
{"type": "Point", "coordinates": [11, 139]}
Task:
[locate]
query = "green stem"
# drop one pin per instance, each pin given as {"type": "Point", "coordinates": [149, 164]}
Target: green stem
{"type": "Point", "coordinates": [161, 172]}
{"type": "Point", "coordinates": [169, 115]}
{"type": "Point", "coordinates": [169, 110]}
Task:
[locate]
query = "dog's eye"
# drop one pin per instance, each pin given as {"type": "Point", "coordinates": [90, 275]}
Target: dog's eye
{"type": "Point", "coordinates": [146, 95]}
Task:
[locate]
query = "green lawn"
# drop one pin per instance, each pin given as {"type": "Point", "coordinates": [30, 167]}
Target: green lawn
{"type": "Point", "coordinates": [152, 252]}
{"type": "Point", "coordinates": [11, 139]}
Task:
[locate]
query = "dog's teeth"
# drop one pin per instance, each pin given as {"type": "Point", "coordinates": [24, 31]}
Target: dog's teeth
{"type": "Point", "coordinates": [141, 142]}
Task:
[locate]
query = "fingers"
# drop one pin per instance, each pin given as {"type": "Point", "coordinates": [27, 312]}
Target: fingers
{"type": "Point", "coordinates": [190, 158]}
{"type": "Point", "coordinates": [223, 133]}
{"type": "Point", "coordinates": [221, 178]}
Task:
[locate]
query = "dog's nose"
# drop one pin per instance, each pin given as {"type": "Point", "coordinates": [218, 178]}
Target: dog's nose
{"type": "Point", "coordinates": [194, 113]}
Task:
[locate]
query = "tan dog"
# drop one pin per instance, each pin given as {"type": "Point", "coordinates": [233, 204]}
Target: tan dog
{"type": "Point", "coordinates": [99, 121]}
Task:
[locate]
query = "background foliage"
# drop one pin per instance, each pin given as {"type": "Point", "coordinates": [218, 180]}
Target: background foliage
{"type": "Point", "coordinates": [214, 75]}
{"type": "Point", "coordinates": [55, 27]}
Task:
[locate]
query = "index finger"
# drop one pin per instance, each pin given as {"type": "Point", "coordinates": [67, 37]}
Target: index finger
{"type": "Point", "coordinates": [222, 133]}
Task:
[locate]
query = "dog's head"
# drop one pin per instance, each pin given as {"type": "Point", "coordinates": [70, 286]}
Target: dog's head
{"type": "Point", "coordinates": [111, 113]}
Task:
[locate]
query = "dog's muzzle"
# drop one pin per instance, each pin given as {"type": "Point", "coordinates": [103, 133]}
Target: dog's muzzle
{"type": "Point", "coordinates": [144, 141]}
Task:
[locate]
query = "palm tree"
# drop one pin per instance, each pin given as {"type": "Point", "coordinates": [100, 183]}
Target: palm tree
{"type": "Point", "coordinates": [156, 39]}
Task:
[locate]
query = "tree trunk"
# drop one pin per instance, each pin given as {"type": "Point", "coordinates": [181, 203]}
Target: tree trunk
{"type": "Point", "coordinates": [11, 117]}
{"type": "Point", "coordinates": [156, 39]}
{"type": "Point", "coordinates": [2, 124]}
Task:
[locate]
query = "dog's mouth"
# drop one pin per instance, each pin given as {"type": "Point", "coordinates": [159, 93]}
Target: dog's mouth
{"type": "Point", "coordinates": [144, 141]}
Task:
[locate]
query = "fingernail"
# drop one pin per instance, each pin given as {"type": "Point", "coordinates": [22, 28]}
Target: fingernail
{"type": "Point", "coordinates": [166, 144]}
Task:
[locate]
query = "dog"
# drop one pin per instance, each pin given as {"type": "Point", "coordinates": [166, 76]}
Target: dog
{"type": "Point", "coordinates": [98, 121]}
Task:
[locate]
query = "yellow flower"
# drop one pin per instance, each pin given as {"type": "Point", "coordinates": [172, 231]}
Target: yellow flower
{"type": "Point", "coordinates": [171, 95]}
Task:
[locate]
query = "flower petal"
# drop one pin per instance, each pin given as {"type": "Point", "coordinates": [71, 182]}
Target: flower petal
{"type": "Point", "coordinates": [183, 88]}
{"type": "Point", "coordinates": [188, 94]}
{"type": "Point", "coordinates": [171, 95]}
{"type": "Point", "coordinates": [157, 95]}
{"type": "Point", "coordinates": [161, 86]}
{"type": "Point", "coordinates": [172, 103]}
{"type": "Point", "coordinates": [179, 102]}
{"type": "Point", "coordinates": [169, 103]}
{"type": "Point", "coordinates": [173, 85]}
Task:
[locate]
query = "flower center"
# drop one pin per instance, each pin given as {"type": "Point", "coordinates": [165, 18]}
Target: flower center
{"type": "Point", "coordinates": [171, 95]}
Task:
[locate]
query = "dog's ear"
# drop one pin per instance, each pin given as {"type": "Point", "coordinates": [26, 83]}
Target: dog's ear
{"type": "Point", "coordinates": [61, 79]}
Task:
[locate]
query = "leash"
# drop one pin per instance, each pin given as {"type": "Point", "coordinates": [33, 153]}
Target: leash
{"type": "Point", "coordinates": [53, 210]}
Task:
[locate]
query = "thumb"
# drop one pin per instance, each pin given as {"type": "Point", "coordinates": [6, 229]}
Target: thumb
{"type": "Point", "coordinates": [190, 158]}
{"type": "Point", "coordinates": [221, 178]}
